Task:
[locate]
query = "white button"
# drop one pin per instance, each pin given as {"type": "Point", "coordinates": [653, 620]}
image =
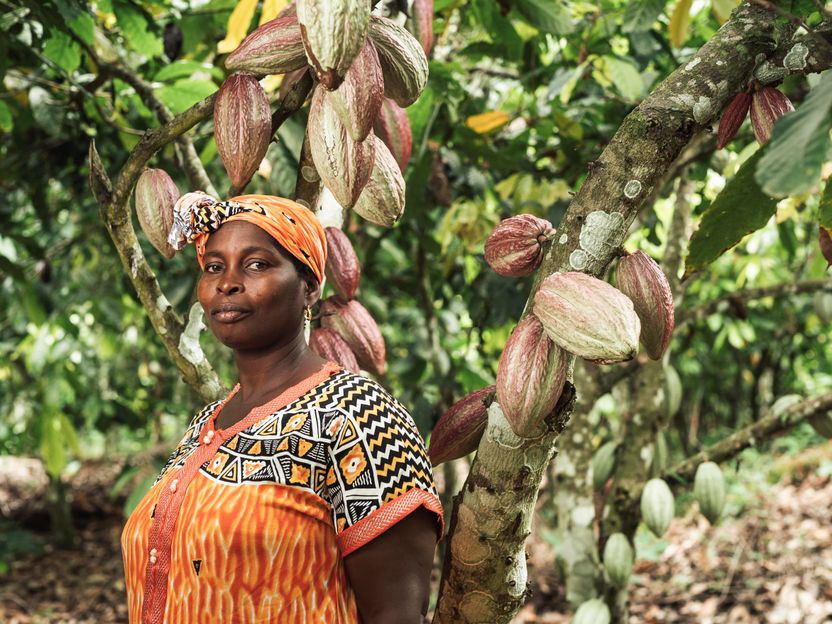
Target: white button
{"type": "Point", "coordinates": [153, 552]}
{"type": "Point", "coordinates": [173, 485]}
{"type": "Point", "coordinates": [152, 559]}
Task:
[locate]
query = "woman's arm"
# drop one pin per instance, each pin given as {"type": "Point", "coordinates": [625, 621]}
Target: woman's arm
{"type": "Point", "coordinates": [390, 575]}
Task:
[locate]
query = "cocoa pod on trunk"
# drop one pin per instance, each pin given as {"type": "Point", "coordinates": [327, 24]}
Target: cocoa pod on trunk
{"type": "Point", "coordinates": [358, 100]}
{"type": "Point", "coordinates": [342, 269]}
{"type": "Point", "coordinates": [732, 118]}
{"type": "Point", "coordinates": [767, 106]}
{"type": "Point", "coordinates": [242, 126]}
{"type": "Point", "coordinates": [530, 376]}
{"type": "Point", "coordinates": [345, 165]}
{"type": "Point", "coordinates": [644, 282]}
{"type": "Point", "coordinates": [588, 317]}
{"type": "Point", "coordinates": [330, 345]}
{"type": "Point", "coordinates": [382, 200]}
{"type": "Point", "coordinates": [403, 61]}
{"type": "Point", "coordinates": [516, 245]}
{"type": "Point", "coordinates": [333, 33]}
{"type": "Point", "coordinates": [393, 127]}
{"type": "Point", "coordinates": [355, 325]}
{"type": "Point", "coordinates": [273, 48]}
{"type": "Point", "coordinates": [420, 23]}
{"type": "Point", "coordinates": [458, 430]}
{"type": "Point", "coordinates": [156, 194]}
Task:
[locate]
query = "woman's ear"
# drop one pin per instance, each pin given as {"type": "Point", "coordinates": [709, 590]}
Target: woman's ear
{"type": "Point", "coordinates": [313, 290]}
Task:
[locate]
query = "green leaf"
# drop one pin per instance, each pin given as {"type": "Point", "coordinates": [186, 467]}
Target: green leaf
{"type": "Point", "coordinates": [185, 69]}
{"type": "Point", "coordinates": [640, 15]}
{"type": "Point", "coordinates": [625, 76]}
{"type": "Point", "coordinates": [6, 122]}
{"type": "Point", "coordinates": [825, 207]}
{"type": "Point", "coordinates": [500, 29]}
{"type": "Point", "coordinates": [61, 49]}
{"type": "Point", "coordinates": [77, 18]}
{"type": "Point", "coordinates": [799, 144]}
{"type": "Point", "coordinates": [137, 29]}
{"type": "Point", "coordinates": [550, 16]}
{"type": "Point", "coordinates": [741, 208]}
{"type": "Point", "coordinates": [184, 93]}
{"type": "Point", "coordinates": [52, 444]}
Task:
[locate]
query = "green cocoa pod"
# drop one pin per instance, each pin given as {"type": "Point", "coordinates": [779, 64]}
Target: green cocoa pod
{"type": "Point", "coordinates": [784, 402]}
{"type": "Point", "coordinates": [657, 506]}
{"type": "Point", "coordinates": [603, 463]}
{"type": "Point", "coordinates": [593, 611]}
{"type": "Point", "coordinates": [618, 559]}
{"type": "Point", "coordinates": [822, 424]}
{"type": "Point", "coordinates": [823, 306]}
{"type": "Point", "coordinates": [660, 454]}
{"type": "Point", "coordinates": [709, 490]}
{"type": "Point", "coordinates": [672, 391]}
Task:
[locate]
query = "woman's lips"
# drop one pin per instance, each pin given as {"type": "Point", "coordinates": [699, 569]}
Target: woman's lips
{"type": "Point", "coordinates": [229, 313]}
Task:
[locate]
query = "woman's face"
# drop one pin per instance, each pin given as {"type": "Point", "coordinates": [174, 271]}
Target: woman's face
{"type": "Point", "coordinates": [251, 292]}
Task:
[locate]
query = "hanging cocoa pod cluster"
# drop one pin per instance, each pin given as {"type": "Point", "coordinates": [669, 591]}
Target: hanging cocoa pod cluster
{"type": "Point", "coordinates": [767, 105]}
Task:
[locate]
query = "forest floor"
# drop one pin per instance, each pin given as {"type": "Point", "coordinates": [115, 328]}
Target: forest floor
{"type": "Point", "coordinates": [770, 565]}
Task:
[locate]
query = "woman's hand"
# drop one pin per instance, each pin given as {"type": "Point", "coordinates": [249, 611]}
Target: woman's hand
{"type": "Point", "coordinates": [391, 574]}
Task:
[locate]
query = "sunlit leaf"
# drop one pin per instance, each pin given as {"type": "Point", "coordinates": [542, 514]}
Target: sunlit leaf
{"type": "Point", "coordinates": [625, 76]}
{"type": "Point", "coordinates": [486, 122]}
{"type": "Point", "coordinates": [62, 50]}
{"type": "Point", "coordinates": [550, 16]}
{"type": "Point", "coordinates": [137, 30]}
{"type": "Point", "coordinates": [640, 15]}
{"type": "Point", "coordinates": [679, 23]}
{"type": "Point", "coordinates": [184, 93]}
{"type": "Point", "coordinates": [238, 25]}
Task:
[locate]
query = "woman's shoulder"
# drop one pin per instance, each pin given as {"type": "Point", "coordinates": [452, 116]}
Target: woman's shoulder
{"type": "Point", "coordinates": [346, 390]}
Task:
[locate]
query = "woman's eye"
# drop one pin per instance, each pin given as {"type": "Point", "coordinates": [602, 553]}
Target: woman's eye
{"type": "Point", "coordinates": [212, 267]}
{"type": "Point", "coordinates": [257, 265]}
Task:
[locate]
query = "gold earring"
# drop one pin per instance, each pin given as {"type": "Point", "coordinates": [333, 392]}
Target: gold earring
{"type": "Point", "coordinates": [307, 313]}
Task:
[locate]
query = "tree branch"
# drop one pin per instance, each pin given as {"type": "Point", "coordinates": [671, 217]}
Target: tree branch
{"type": "Point", "coordinates": [766, 427]}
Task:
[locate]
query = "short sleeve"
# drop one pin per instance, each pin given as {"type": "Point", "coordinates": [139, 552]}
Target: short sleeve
{"type": "Point", "coordinates": [378, 470]}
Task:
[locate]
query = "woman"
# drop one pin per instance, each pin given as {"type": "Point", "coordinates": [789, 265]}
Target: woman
{"type": "Point", "coordinates": [306, 494]}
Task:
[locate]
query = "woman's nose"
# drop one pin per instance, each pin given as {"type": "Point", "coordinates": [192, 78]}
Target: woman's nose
{"type": "Point", "coordinates": [230, 283]}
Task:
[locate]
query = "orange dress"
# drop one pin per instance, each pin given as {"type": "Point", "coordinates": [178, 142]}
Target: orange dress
{"type": "Point", "coordinates": [251, 523]}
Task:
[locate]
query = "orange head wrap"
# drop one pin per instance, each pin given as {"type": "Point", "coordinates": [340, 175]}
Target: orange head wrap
{"type": "Point", "coordinates": [196, 215]}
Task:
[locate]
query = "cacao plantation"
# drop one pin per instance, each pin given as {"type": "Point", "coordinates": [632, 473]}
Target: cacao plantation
{"type": "Point", "coordinates": [584, 246]}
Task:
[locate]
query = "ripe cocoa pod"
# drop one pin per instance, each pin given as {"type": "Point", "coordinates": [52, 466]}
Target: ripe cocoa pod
{"type": "Point", "coordinates": [242, 126]}
{"type": "Point", "coordinates": [672, 391]}
{"type": "Point", "coordinates": [358, 100]}
{"type": "Point", "coordinates": [618, 559]}
{"type": "Point", "coordinates": [825, 243]}
{"type": "Point", "coordinates": [516, 246]}
{"type": "Point", "coordinates": [382, 200]}
{"type": "Point", "coordinates": [403, 61]}
{"type": "Point", "coordinates": [345, 166]}
{"type": "Point", "coordinates": [732, 118]}
{"type": "Point", "coordinates": [603, 464]}
{"type": "Point", "coordinates": [342, 269]}
{"type": "Point", "coordinates": [333, 34]}
{"type": "Point", "coordinates": [657, 506]}
{"type": "Point", "coordinates": [458, 431]}
{"type": "Point", "coordinates": [330, 345]}
{"type": "Point", "coordinates": [393, 127]}
{"type": "Point", "coordinates": [823, 306]}
{"type": "Point", "coordinates": [594, 611]}
{"type": "Point", "coordinates": [156, 194]}
{"type": "Point", "coordinates": [709, 490]}
{"type": "Point", "coordinates": [822, 424]}
{"type": "Point", "coordinates": [644, 282]}
{"type": "Point", "coordinates": [355, 325]}
{"type": "Point", "coordinates": [420, 23]}
{"type": "Point", "coordinates": [767, 106]}
{"type": "Point", "coordinates": [588, 317]}
{"type": "Point", "coordinates": [530, 377]}
{"type": "Point", "coordinates": [275, 47]}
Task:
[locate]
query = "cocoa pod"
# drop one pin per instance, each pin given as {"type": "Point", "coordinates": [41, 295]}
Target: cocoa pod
{"type": "Point", "coordinates": [273, 48]}
{"type": "Point", "coordinates": [603, 464]}
{"type": "Point", "coordinates": [709, 490]}
{"type": "Point", "coordinates": [289, 9]}
{"type": "Point", "coordinates": [393, 127]}
{"type": "Point", "coordinates": [329, 344]}
{"type": "Point", "coordinates": [458, 430]}
{"type": "Point", "coordinates": [530, 376]}
{"type": "Point", "coordinates": [823, 306]}
{"type": "Point", "coordinates": [403, 61]}
{"type": "Point", "coordinates": [657, 506]}
{"type": "Point", "coordinates": [644, 282]}
{"type": "Point", "coordinates": [767, 106]}
{"type": "Point", "coordinates": [822, 424]}
{"type": "Point", "coordinates": [732, 118]}
{"type": "Point", "coordinates": [333, 34]}
{"type": "Point", "coordinates": [672, 391]}
{"type": "Point", "coordinates": [594, 611]}
{"type": "Point", "coordinates": [618, 559]}
{"type": "Point", "coordinates": [345, 166]}
{"type": "Point", "coordinates": [516, 245]}
{"type": "Point", "coordinates": [242, 126]}
{"type": "Point", "coordinates": [355, 325]}
{"type": "Point", "coordinates": [588, 317]}
{"type": "Point", "coordinates": [358, 100]}
{"type": "Point", "coordinates": [382, 200]}
{"type": "Point", "coordinates": [156, 194]}
{"type": "Point", "coordinates": [420, 23]}
{"type": "Point", "coordinates": [342, 269]}
{"type": "Point", "coordinates": [783, 403]}
{"type": "Point", "coordinates": [825, 243]}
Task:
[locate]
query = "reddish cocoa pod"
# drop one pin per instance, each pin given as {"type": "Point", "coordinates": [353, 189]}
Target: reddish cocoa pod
{"type": "Point", "coordinates": [383, 198]}
{"type": "Point", "coordinates": [643, 281]}
{"type": "Point", "coordinates": [342, 269]}
{"type": "Point", "coordinates": [767, 106]}
{"type": "Point", "coordinates": [355, 325]}
{"type": "Point", "coordinates": [156, 194]}
{"type": "Point", "coordinates": [732, 118]}
{"type": "Point", "coordinates": [393, 127]}
{"type": "Point", "coordinates": [420, 23]}
{"type": "Point", "coordinates": [515, 246]}
{"type": "Point", "coordinates": [358, 99]}
{"type": "Point", "coordinates": [825, 242]}
{"type": "Point", "coordinates": [458, 431]}
{"type": "Point", "coordinates": [403, 61]}
{"type": "Point", "coordinates": [530, 376]}
{"type": "Point", "coordinates": [242, 126]}
{"type": "Point", "coordinates": [275, 47]}
{"type": "Point", "coordinates": [330, 345]}
{"type": "Point", "coordinates": [290, 9]}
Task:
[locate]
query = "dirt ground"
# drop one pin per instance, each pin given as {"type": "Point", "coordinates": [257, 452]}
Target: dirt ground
{"type": "Point", "coordinates": [773, 565]}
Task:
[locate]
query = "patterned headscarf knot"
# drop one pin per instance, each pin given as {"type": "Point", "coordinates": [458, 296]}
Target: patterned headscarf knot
{"type": "Point", "coordinates": [197, 215]}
